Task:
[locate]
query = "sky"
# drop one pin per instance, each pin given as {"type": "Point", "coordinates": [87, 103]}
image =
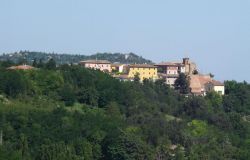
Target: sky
{"type": "Point", "coordinates": [213, 33]}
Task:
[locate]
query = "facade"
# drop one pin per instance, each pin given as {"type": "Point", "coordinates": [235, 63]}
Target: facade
{"type": "Point", "coordinates": [117, 67]}
{"type": "Point", "coordinates": [171, 68]}
{"type": "Point", "coordinates": [169, 79]}
{"type": "Point", "coordinates": [201, 84]}
{"type": "Point", "coordinates": [145, 71]}
{"type": "Point", "coordinates": [170, 71]}
{"type": "Point", "coordinates": [101, 65]}
{"type": "Point", "coordinates": [215, 86]}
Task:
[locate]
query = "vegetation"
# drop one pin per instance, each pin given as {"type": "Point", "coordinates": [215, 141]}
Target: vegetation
{"type": "Point", "coordinates": [182, 84]}
{"type": "Point", "coordinates": [34, 57]}
{"type": "Point", "coordinates": [73, 113]}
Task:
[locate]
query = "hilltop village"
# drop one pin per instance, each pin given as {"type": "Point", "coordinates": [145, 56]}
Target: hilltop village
{"type": "Point", "coordinates": [199, 84]}
{"type": "Point", "coordinates": [168, 71]}
{"type": "Point", "coordinates": [98, 109]}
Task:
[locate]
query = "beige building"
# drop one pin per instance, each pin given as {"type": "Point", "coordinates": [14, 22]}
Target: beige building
{"type": "Point", "coordinates": [201, 84]}
{"type": "Point", "coordinates": [215, 86]}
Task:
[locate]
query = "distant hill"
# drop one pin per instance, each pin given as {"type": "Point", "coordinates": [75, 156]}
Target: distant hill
{"type": "Point", "coordinates": [28, 57]}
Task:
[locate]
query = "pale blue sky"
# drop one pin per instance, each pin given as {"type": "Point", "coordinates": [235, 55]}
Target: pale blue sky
{"type": "Point", "coordinates": [214, 33]}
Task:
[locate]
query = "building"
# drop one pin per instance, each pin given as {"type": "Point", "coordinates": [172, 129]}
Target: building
{"type": "Point", "coordinates": [201, 84]}
{"type": "Point", "coordinates": [169, 79]}
{"type": "Point", "coordinates": [116, 67]}
{"type": "Point", "coordinates": [215, 86]}
{"type": "Point", "coordinates": [145, 71]}
{"type": "Point", "coordinates": [21, 67]}
{"type": "Point", "coordinates": [190, 67]}
{"type": "Point", "coordinates": [170, 70]}
{"type": "Point", "coordinates": [102, 65]}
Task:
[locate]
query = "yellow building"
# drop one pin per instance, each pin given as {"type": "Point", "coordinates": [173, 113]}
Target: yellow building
{"type": "Point", "coordinates": [145, 71]}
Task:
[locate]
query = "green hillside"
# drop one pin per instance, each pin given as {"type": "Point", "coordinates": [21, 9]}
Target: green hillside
{"type": "Point", "coordinates": [29, 57]}
{"type": "Point", "coordinates": [73, 113]}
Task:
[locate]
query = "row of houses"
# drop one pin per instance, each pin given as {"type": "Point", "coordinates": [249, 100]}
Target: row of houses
{"type": "Point", "coordinates": [169, 71]}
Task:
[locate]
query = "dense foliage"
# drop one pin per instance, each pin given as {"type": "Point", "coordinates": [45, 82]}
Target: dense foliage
{"type": "Point", "coordinates": [75, 113]}
{"type": "Point", "coordinates": [29, 57]}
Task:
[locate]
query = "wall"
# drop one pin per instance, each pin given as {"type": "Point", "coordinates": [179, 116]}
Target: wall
{"type": "Point", "coordinates": [149, 73]}
{"type": "Point", "coordinates": [101, 67]}
{"type": "Point", "coordinates": [220, 89]}
{"type": "Point", "coordinates": [170, 81]}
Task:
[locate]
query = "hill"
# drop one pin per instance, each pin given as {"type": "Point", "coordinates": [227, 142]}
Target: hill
{"type": "Point", "coordinates": [28, 57]}
{"type": "Point", "coordinates": [74, 113]}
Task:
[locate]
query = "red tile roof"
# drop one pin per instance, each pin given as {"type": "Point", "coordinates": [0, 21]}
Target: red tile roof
{"type": "Point", "coordinates": [197, 83]}
{"type": "Point", "coordinates": [21, 67]}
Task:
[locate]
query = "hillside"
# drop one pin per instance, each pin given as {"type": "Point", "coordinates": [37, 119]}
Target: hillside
{"type": "Point", "coordinates": [28, 57]}
{"type": "Point", "coordinates": [74, 113]}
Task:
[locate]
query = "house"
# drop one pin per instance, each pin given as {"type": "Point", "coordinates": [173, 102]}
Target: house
{"type": "Point", "coordinates": [215, 86]}
{"type": "Point", "coordinates": [201, 84]}
{"type": "Point", "coordinates": [102, 65]}
{"type": "Point", "coordinates": [170, 71]}
{"type": "Point", "coordinates": [21, 67]}
{"type": "Point", "coordinates": [171, 68]}
{"type": "Point", "coordinates": [145, 71]}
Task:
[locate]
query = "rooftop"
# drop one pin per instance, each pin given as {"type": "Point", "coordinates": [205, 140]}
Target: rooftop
{"type": "Point", "coordinates": [197, 82]}
{"type": "Point", "coordinates": [170, 64]}
{"type": "Point", "coordinates": [96, 61]}
{"type": "Point", "coordinates": [141, 66]}
{"type": "Point", "coordinates": [116, 64]}
{"type": "Point", "coordinates": [21, 67]}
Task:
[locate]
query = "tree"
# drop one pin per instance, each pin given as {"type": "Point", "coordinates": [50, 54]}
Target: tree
{"type": "Point", "coordinates": [129, 146]}
{"type": "Point", "coordinates": [14, 83]}
{"type": "Point", "coordinates": [195, 72]}
{"type": "Point", "coordinates": [67, 95]}
{"type": "Point", "coordinates": [182, 84]}
{"type": "Point", "coordinates": [51, 64]}
{"type": "Point", "coordinates": [211, 75]}
{"type": "Point", "coordinates": [40, 64]}
{"type": "Point", "coordinates": [34, 64]}
{"type": "Point", "coordinates": [137, 77]}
